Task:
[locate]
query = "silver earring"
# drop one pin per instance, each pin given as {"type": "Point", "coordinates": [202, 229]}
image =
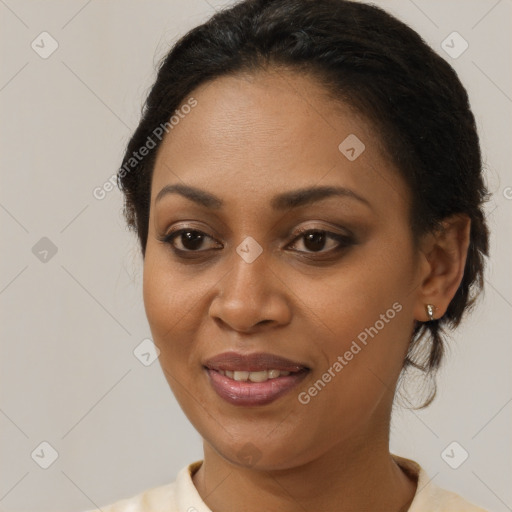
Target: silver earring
{"type": "Point", "coordinates": [430, 308]}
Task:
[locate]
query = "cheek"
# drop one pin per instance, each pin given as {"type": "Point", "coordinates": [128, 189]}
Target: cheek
{"type": "Point", "coordinates": [167, 302]}
{"type": "Point", "coordinates": [159, 295]}
{"type": "Point", "coordinates": [365, 315]}
{"type": "Point", "coordinates": [169, 310]}
{"type": "Point", "coordinates": [355, 295]}
{"type": "Point", "coordinates": [176, 304]}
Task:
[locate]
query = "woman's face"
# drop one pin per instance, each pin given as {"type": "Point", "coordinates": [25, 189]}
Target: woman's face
{"type": "Point", "coordinates": [337, 303]}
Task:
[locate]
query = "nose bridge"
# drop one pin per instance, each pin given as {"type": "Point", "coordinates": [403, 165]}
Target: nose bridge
{"type": "Point", "coordinates": [248, 294]}
{"type": "Point", "coordinates": [248, 277]}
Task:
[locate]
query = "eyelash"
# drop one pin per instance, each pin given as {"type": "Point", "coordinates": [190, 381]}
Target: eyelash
{"type": "Point", "coordinates": [344, 241]}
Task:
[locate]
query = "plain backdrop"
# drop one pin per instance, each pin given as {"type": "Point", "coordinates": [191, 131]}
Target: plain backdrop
{"type": "Point", "coordinates": [70, 273]}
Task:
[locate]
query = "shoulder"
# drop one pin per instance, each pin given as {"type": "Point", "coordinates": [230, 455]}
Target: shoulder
{"type": "Point", "coordinates": [164, 498]}
{"type": "Point", "coordinates": [431, 498]}
{"type": "Point", "coordinates": [443, 500]}
{"type": "Point", "coordinates": [451, 502]}
{"type": "Point", "coordinates": [155, 499]}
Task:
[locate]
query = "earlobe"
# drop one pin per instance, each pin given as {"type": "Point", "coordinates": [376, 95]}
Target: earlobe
{"type": "Point", "coordinates": [445, 253]}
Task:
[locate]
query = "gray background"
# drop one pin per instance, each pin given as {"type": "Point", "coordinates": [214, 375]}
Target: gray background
{"type": "Point", "coordinates": [71, 322]}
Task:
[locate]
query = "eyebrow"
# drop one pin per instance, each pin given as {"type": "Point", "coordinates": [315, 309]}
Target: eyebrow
{"type": "Point", "coordinates": [282, 201]}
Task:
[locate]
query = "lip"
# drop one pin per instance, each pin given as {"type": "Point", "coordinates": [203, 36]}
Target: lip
{"type": "Point", "coordinates": [252, 362]}
{"type": "Point", "coordinates": [247, 393]}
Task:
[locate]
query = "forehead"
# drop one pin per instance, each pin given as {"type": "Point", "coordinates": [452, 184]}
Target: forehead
{"type": "Point", "coordinates": [261, 132]}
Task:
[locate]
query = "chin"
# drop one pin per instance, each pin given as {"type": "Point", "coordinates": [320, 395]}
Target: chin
{"type": "Point", "coordinates": [256, 453]}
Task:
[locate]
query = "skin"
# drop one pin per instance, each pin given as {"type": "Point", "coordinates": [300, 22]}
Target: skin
{"type": "Point", "coordinates": [250, 137]}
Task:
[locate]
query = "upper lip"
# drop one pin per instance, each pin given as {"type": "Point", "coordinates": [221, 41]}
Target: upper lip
{"type": "Point", "coordinates": [232, 361]}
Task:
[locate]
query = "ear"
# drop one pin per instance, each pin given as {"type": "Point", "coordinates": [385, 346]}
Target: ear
{"type": "Point", "coordinates": [443, 258]}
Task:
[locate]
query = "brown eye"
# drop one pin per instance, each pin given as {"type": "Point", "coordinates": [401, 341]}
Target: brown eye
{"type": "Point", "coordinates": [315, 240]}
{"type": "Point", "coordinates": [191, 240]}
{"type": "Point", "coordinates": [186, 240]}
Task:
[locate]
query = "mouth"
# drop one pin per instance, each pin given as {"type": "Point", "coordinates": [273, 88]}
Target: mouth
{"type": "Point", "coordinates": [254, 379]}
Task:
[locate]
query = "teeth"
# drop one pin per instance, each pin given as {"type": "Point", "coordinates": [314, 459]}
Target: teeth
{"type": "Point", "coordinates": [260, 376]}
{"type": "Point", "coordinates": [241, 375]}
{"type": "Point", "coordinates": [272, 374]}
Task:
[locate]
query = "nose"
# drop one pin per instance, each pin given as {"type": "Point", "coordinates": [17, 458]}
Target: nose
{"type": "Point", "coordinates": [250, 297]}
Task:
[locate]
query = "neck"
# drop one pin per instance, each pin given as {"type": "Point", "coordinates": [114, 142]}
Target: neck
{"type": "Point", "coordinates": [355, 475]}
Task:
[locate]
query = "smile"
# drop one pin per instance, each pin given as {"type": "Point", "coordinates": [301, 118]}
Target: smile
{"type": "Point", "coordinates": [261, 376]}
{"type": "Point", "coordinates": [253, 379]}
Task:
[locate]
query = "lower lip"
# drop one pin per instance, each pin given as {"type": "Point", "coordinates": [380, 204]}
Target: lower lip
{"type": "Point", "coordinates": [248, 393]}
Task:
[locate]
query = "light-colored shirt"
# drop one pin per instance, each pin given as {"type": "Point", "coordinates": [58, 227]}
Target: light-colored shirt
{"type": "Point", "coordinates": [182, 496]}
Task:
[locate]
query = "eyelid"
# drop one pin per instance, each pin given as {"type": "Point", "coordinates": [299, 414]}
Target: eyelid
{"type": "Point", "coordinates": [168, 238]}
{"type": "Point", "coordinates": [343, 240]}
{"type": "Point", "coordinates": [306, 229]}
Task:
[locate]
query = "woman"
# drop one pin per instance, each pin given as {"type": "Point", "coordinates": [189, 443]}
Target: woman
{"type": "Point", "coordinates": [306, 187]}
